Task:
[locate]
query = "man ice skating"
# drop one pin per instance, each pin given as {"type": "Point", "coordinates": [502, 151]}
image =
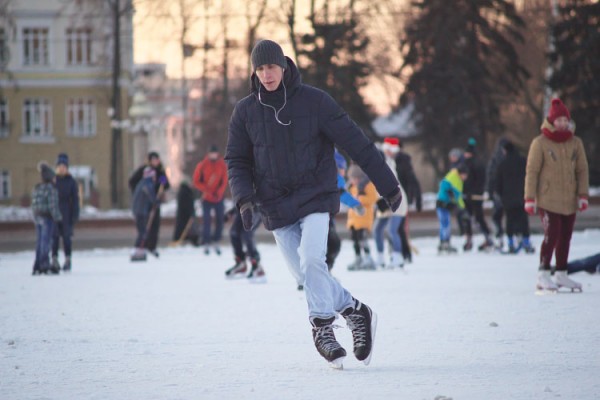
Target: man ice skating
{"type": "Point", "coordinates": [280, 156]}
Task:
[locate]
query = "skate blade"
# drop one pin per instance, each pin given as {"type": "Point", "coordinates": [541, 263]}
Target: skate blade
{"type": "Point", "coordinates": [338, 363]}
{"type": "Point", "coordinates": [233, 277]}
{"type": "Point", "coordinates": [262, 279]}
{"type": "Point", "coordinates": [367, 360]}
{"type": "Point", "coordinates": [570, 290]}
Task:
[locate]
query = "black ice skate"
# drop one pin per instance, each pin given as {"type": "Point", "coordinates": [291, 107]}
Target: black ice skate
{"type": "Point", "coordinates": [445, 248]}
{"type": "Point", "coordinates": [362, 321]}
{"type": "Point", "coordinates": [257, 273]}
{"type": "Point", "coordinates": [325, 341]}
{"type": "Point", "coordinates": [487, 245]}
{"type": "Point", "coordinates": [239, 270]}
{"type": "Point", "coordinates": [67, 264]}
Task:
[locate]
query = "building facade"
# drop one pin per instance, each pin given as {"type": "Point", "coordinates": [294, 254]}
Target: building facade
{"type": "Point", "coordinates": [56, 68]}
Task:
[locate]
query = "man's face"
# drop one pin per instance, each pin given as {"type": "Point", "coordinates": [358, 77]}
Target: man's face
{"type": "Point", "coordinates": [62, 169]}
{"type": "Point", "coordinates": [270, 76]}
{"type": "Point", "coordinates": [155, 162]}
{"type": "Point", "coordinates": [561, 123]}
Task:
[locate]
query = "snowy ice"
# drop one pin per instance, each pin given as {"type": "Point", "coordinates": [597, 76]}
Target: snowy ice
{"type": "Point", "coordinates": [450, 327]}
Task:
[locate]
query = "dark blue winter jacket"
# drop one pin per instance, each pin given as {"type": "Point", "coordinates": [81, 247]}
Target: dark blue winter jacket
{"type": "Point", "coordinates": [143, 197]}
{"type": "Point", "coordinates": [289, 171]}
{"type": "Point", "coordinates": [68, 198]}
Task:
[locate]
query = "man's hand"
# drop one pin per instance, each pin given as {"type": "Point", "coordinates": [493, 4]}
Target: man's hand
{"type": "Point", "coordinates": [394, 198]}
{"type": "Point", "coordinates": [582, 204]}
{"type": "Point", "coordinates": [530, 207]}
{"type": "Point", "coordinates": [247, 213]}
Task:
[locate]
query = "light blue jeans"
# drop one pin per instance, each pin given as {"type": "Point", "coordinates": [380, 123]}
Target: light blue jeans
{"type": "Point", "coordinates": [392, 224]}
{"type": "Point", "coordinates": [304, 245]}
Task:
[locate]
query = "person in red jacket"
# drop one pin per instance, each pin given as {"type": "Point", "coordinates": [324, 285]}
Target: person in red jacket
{"type": "Point", "coordinates": [210, 178]}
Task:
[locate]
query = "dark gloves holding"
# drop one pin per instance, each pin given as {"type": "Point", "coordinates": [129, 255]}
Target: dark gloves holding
{"type": "Point", "coordinates": [394, 198]}
{"type": "Point", "coordinates": [247, 213]}
{"type": "Point", "coordinates": [382, 205]}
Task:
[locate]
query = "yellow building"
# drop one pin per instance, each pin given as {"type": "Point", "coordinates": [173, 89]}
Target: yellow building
{"type": "Point", "coordinates": [56, 96]}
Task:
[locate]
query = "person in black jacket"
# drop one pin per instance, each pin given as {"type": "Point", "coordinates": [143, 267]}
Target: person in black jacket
{"type": "Point", "coordinates": [473, 191]}
{"type": "Point", "coordinates": [492, 169]}
{"type": "Point", "coordinates": [280, 158]}
{"type": "Point", "coordinates": [161, 181]}
{"type": "Point", "coordinates": [185, 217]}
{"type": "Point", "coordinates": [68, 202]}
{"type": "Point", "coordinates": [510, 186]}
{"type": "Point", "coordinates": [412, 187]}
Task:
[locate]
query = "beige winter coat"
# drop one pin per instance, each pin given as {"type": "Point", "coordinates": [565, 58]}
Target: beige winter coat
{"type": "Point", "coordinates": [557, 173]}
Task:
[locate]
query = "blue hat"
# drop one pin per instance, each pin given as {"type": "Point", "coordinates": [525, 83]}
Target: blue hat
{"type": "Point", "coordinates": [63, 158]}
{"type": "Point", "coordinates": [340, 161]}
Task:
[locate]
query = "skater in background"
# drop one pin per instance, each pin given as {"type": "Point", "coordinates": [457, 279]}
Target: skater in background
{"type": "Point", "coordinates": [144, 201]}
{"type": "Point", "coordinates": [334, 243]}
{"type": "Point", "coordinates": [46, 213]}
{"type": "Point", "coordinates": [161, 185]}
{"type": "Point", "coordinates": [590, 264]}
{"type": "Point", "coordinates": [449, 198]}
{"type": "Point", "coordinates": [473, 191]}
{"type": "Point", "coordinates": [386, 219]}
{"type": "Point", "coordinates": [185, 217]}
{"type": "Point", "coordinates": [280, 156]}
{"type": "Point", "coordinates": [510, 184]}
{"type": "Point", "coordinates": [556, 187]}
{"type": "Point", "coordinates": [68, 203]}
{"type": "Point", "coordinates": [408, 180]}
{"type": "Point", "coordinates": [490, 182]}
{"type": "Point", "coordinates": [239, 238]}
{"type": "Point", "coordinates": [210, 178]}
{"type": "Point", "coordinates": [360, 226]}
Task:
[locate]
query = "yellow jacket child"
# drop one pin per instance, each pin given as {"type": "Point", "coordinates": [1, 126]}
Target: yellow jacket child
{"type": "Point", "coordinates": [362, 189]}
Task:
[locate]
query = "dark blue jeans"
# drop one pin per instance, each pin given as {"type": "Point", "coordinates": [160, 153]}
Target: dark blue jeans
{"type": "Point", "coordinates": [240, 237]}
{"type": "Point", "coordinates": [589, 264]}
{"type": "Point", "coordinates": [141, 220]}
{"type": "Point", "coordinates": [43, 228]}
{"type": "Point", "coordinates": [219, 209]}
{"type": "Point", "coordinates": [64, 231]}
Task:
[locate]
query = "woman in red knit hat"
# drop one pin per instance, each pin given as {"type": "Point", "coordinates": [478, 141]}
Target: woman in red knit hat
{"type": "Point", "coordinates": [556, 186]}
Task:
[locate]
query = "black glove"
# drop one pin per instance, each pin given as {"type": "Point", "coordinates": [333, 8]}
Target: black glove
{"type": "Point", "coordinates": [382, 205]}
{"type": "Point", "coordinates": [247, 213]}
{"type": "Point", "coordinates": [394, 198]}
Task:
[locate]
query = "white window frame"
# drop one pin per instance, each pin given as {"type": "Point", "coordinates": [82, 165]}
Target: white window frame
{"type": "Point", "coordinates": [4, 121]}
{"type": "Point", "coordinates": [81, 117]}
{"type": "Point", "coordinates": [79, 46]}
{"type": "Point", "coordinates": [5, 184]}
{"type": "Point", "coordinates": [41, 109]}
{"type": "Point", "coordinates": [35, 49]}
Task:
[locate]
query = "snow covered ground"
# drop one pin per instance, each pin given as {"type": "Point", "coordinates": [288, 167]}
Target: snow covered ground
{"type": "Point", "coordinates": [461, 327]}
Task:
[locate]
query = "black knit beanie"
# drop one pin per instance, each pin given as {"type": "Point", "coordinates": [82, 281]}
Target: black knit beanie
{"type": "Point", "coordinates": [267, 52]}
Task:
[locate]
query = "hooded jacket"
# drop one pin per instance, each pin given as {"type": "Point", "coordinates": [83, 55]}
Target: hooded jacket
{"type": "Point", "coordinates": [557, 172]}
{"type": "Point", "coordinates": [289, 171]}
{"type": "Point", "coordinates": [510, 179]}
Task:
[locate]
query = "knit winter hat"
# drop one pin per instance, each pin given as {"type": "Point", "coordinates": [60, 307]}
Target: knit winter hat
{"type": "Point", "coordinates": [557, 109]}
{"type": "Point", "coordinates": [391, 144]}
{"type": "Point", "coordinates": [340, 161]}
{"type": "Point", "coordinates": [46, 171]}
{"type": "Point", "coordinates": [63, 158]}
{"type": "Point", "coordinates": [455, 153]}
{"type": "Point", "coordinates": [267, 52]}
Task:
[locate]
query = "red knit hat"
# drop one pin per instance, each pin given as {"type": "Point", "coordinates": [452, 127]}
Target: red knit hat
{"type": "Point", "coordinates": [391, 144]}
{"type": "Point", "coordinates": [557, 109]}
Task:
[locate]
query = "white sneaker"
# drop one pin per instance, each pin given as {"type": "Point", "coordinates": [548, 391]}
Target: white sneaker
{"type": "Point", "coordinates": [544, 282]}
{"type": "Point", "coordinates": [380, 260]}
{"type": "Point", "coordinates": [367, 262]}
{"type": "Point", "coordinates": [562, 280]}
{"type": "Point", "coordinates": [397, 260]}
